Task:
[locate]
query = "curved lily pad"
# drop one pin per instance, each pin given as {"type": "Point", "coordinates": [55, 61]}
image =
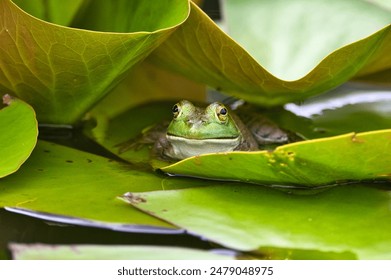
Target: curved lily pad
{"type": "Point", "coordinates": [289, 38]}
{"type": "Point", "coordinates": [351, 107]}
{"type": "Point", "coordinates": [146, 82]}
{"type": "Point", "coordinates": [55, 11]}
{"type": "Point", "coordinates": [201, 51]}
{"type": "Point", "coordinates": [95, 252]}
{"type": "Point", "coordinates": [62, 71]}
{"type": "Point", "coordinates": [18, 134]}
{"type": "Point", "coordinates": [352, 220]}
{"type": "Point", "coordinates": [310, 163]}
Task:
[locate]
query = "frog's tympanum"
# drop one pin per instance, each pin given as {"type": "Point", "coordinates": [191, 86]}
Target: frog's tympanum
{"type": "Point", "coordinates": [214, 129]}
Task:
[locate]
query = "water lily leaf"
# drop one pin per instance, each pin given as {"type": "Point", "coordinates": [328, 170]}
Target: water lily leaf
{"type": "Point", "coordinates": [289, 38]}
{"type": "Point", "coordinates": [351, 107]}
{"type": "Point", "coordinates": [146, 83]}
{"type": "Point", "coordinates": [55, 11]}
{"type": "Point", "coordinates": [68, 182]}
{"type": "Point", "coordinates": [334, 48]}
{"type": "Point", "coordinates": [96, 252]}
{"type": "Point", "coordinates": [351, 219]}
{"type": "Point", "coordinates": [61, 71]}
{"type": "Point", "coordinates": [18, 134]}
{"type": "Point", "coordinates": [309, 163]}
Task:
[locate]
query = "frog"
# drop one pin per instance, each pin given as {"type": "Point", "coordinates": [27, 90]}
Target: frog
{"type": "Point", "coordinates": [216, 128]}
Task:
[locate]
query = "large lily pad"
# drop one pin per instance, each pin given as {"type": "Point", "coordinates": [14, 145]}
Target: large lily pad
{"type": "Point", "coordinates": [55, 11]}
{"type": "Point", "coordinates": [310, 163]}
{"type": "Point", "coordinates": [95, 252]}
{"type": "Point", "coordinates": [351, 107]}
{"type": "Point", "coordinates": [67, 182]}
{"type": "Point", "coordinates": [18, 134]}
{"type": "Point", "coordinates": [208, 55]}
{"type": "Point", "coordinates": [63, 71]}
{"type": "Point", "coordinates": [351, 220]}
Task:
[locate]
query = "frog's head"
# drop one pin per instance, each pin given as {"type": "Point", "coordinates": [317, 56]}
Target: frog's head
{"type": "Point", "coordinates": [191, 122]}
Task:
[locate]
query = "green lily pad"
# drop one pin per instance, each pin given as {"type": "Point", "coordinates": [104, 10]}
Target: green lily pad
{"type": "Point", "coordinates": [206, 54]}
{"type": "Point", "coordinates": [62, 181]}
{"type": "Point", "coordinates": [96, 252]}
{"type": "Point", "coordinates": [18, 134]}
{"type": "Point", "coordinates": [289, 38]}
{"type": "Point", "coordinates": [62, 72]}
{"type": "Point", "coordinates": [349, 108]}
{"type": "Point", "coordinates": [55, 11]}
{"type": "Point", "coordinates": [351, 220]}
{"type": "Point", "coordinates": [146, 83]}
{"type": "Point", "coordinates": [309, 163]}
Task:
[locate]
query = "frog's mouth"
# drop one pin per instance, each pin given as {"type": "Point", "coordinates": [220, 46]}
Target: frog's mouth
{"type": "Point", "coordinates": [182, 138]}
{"type": "Point", "coordinates": [190, 147]}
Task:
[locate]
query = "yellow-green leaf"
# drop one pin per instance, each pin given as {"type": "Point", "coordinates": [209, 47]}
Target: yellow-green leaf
{"type": "Point", "coordinates": [18, 134]}
{"type": "Point", "coordinates": [300, 54]}
{"type": "Point", "coordinates": [316, 162]}
{"type": "Point", "coordinates": [350, 221]}
{"type": "Point", "coordinates": [61, 71]}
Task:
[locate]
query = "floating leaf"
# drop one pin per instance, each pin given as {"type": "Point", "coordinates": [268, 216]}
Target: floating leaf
{"type": "Point", "coordinates": [323, 59]}
{"type": "Point", "coordinates": [95, 252]}
{"type": "Point", "coordinates": [62, 181]}
{"type": "Point", "coordinates": [309, 163]}
{"type": "Point", "coordinates": [62, 72]}
{"type": "Point", "coordinates": [349, 108]}
{"type": "Point", "coordinates": [351, 220]}
{"type": "Point", "coordinates": [18, 134]}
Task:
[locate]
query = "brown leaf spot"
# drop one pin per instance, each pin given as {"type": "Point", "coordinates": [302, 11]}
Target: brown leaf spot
{"type": "Point", "coordinates": [355, 139]}
{"type": "Point", "coordinates": [133, 199]}
{"type": "Point", "coordinates": [7, 99]}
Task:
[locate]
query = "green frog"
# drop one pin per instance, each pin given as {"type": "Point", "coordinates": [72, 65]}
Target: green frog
{"type": "Point", "coordinates": [214, 129]}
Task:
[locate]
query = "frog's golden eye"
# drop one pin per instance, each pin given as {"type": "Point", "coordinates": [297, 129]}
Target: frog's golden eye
{"type": "Point", "coordinates": [222, 113]}
{"type": "Point", "coordinates": [176, 110]}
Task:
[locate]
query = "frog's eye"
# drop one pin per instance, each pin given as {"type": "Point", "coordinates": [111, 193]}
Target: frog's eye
{"type": "Point", "coordinates": [222, 113]}
{"type": "Point", "coordinates": [176, 110]}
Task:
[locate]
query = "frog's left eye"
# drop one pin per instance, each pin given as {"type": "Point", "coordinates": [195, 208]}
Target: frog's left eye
{"type": "Point", "coordinates": [222, 113]}
{"type": "Point", "coordinates": [176, 110]}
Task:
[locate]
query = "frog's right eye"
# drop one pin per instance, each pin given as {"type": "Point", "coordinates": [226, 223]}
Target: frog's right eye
{"type": "Point", "coordinates": [176, 110]}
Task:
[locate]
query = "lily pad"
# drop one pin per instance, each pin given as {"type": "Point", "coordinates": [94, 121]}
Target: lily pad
{"type": "Point", "coordinates": [206, 54]}
{"type": "Point", "coordinates": [95, 252]}
{"type": "Point", "coordinates": [351, 220]}
{"type": "Point", "coordinates": [338, 159]}
{"type": "Point", "coordinates": [289, 38]}
{"type": "Point", "coordinates": [62, 72]}
{"type": "Point", "coordinates": [61, 181]}
{"type": "Point", "coordinates": [351, 107]}
{"type": "Point", "coordinates": [55, 11]}
{"type": "Point", "coordinates": [18, 134]}
{"type": "Point", "coordinates": [146, 83]}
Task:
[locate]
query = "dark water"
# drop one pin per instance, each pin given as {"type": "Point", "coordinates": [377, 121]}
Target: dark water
{"type": "Point", "coordinates": [16, 228]}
